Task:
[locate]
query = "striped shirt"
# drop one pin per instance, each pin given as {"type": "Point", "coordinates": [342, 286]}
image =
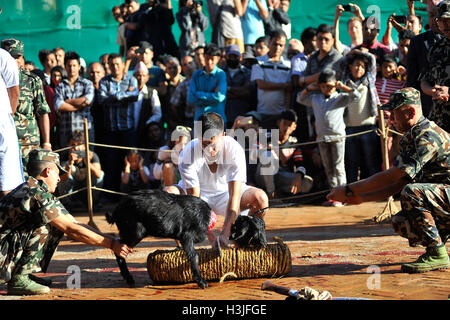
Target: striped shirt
{"type": "Point", "coordinates": [385, 87]}
{"type": "Point", "coordinates": [271, 102]}
{"type": "Point", "coordinates": [117, 100]}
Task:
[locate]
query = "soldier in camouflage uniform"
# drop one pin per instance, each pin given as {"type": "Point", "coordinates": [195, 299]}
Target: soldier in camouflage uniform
{"type": "Point", "coordinates": [33, 111]}
{"type": "Point", "coordinates": [421, 172]}
{"type": "Point", "coordinates": [32, 222]}
{"type": "Point", "coordinates": [435, 78]}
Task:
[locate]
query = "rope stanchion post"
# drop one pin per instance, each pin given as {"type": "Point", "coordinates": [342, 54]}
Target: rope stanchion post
{"type": "Point", "coordinates": [390, 209]}
{"type": "Point", "coordinates": [88, 177]}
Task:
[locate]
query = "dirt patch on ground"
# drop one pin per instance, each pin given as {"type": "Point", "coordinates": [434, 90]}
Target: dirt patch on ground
{"type": "Point", "coordinates": [333, 249]}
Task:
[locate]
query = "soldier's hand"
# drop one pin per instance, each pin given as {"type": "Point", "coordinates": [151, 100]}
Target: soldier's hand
{"type": "Point", "coordinates": [440, 93]}
{"type": "Point", "coordinates": [337, 194]}
{"type": "Point", "coordinates": [355, 199]}
{"type": "Point", "coordinates": [120, 249]}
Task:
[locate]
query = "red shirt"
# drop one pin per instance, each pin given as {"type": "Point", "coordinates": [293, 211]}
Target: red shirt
{"type": "Point", "coordinates": [385, 87]}
{"type": "Point", "coordinates": [377, 49]}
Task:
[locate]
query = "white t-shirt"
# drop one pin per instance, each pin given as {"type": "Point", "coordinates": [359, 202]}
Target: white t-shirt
{"type": "Point", "coordinates": [9, 77]}
{"type": "Point", "coordinates": [195, 171]}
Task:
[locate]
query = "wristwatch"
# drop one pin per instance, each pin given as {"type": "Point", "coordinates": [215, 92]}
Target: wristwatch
{"type": "Point", "coordinates": [348, 192]}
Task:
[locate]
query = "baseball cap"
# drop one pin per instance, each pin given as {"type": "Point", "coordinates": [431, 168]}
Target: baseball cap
{"type": "Point", "coordinates": [43, 155]}
{"type": "Point", "coordinates": [233, 49]}
{"type": "Point", "coordinates": [402, 97]}
{"type": "Point", "coordinates": [143, 45]}
{"type": "Point", "coordinates": [13, 46]}
{"type": "Point", "coordinates": [443, 9]}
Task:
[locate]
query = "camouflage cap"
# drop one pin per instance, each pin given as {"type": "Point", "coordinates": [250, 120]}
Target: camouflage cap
{"type": "Point", "coordinates": [443, 9]}
{"type": "Point", "coordinates": [402, 97]}
{"type": "Point", "coordinates": [43, 155]}
{"type": "Point", "coordinates": [13, 46]}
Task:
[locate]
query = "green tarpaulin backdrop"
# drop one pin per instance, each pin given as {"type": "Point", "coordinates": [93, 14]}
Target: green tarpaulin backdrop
{"type": "Point", "coordinates": [89, 28]}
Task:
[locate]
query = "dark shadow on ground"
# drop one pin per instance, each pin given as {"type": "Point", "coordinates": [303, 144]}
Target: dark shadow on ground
{"type": "Point", "coordinates": [336, 269]}
{"type": "Point", "coordinates": [318, 233]}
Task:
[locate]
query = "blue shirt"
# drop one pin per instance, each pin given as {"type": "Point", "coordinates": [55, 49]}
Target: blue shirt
{"type": "Point", "coordinates": [208, 92]}
{"type": "Point", "coordinates": [252, 22]}
{"type": "Point", "coordinates": [117, 100]}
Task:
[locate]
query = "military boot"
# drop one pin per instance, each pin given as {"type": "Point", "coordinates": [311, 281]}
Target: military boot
{"type": "Point", "coordinates": [21, 284]}
{"type": "Point", "coordinates": [41, 281]}
{"type": "Point", "coordinates": [433, 259]}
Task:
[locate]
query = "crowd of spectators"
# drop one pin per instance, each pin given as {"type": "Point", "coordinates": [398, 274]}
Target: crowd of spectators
{"type": "Point", "coordinates": [254, 72]}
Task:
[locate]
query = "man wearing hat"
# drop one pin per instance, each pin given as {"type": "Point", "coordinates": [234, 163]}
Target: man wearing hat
{"type": "Point", "coordinates": [238, 85]}
{"type": "Point", "coordinates": [421, 172]}
{"type": "Point", "coordinates": [32, 115]}
{"type": "Point", "coordinates": [435, 78]}
{"type": "Point", "coordinates": [33, 221]}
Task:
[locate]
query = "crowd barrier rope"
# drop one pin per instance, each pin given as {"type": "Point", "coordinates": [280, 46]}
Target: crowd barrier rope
{"type": "Point", "coordinates": [382, 131]}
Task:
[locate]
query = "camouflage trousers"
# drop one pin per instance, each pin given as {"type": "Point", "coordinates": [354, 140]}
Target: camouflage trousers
{"type": "Point", "coordinates": [425, 215]}
{"type": "Point", "coordinates": [25, 251]}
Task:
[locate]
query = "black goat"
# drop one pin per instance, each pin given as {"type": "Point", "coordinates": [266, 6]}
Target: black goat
{"type": "Point", "coordinates": [160, 214]}
{"type": "Point", "coordinates": [249, 231]}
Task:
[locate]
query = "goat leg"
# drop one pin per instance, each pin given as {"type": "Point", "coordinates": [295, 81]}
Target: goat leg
{"type": "Point", "coordinates": [125, 272]}
{"type": "Point", "coordinates": [188, 247]}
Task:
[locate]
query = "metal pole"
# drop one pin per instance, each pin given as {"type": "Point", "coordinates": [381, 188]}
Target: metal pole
{"type": "Point", "coordinates": [88, 176]}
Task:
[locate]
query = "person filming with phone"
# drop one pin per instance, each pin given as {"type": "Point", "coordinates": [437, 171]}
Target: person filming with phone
{"type": "Point", "coordinates": [76, 175]}
{"type": "Point", "coordinates": [354, 27]}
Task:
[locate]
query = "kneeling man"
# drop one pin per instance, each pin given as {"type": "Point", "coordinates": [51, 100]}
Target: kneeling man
{"type": "Point", "coordinates": [421, 172]}
{"type": "Point", "coordinates": [213, 168]}
{"type": "Point", "coordinates": [33, 221]}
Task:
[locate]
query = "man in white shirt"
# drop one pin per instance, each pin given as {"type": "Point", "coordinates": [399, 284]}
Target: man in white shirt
{"type": "Point", "coordinates": [213, 168]}
{"type": "Point", "coordinates": [11, 173]}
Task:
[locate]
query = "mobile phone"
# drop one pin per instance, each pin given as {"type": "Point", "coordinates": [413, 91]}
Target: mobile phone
{"type": "Point", "coordinates": [400, 19]}
{"type": "Point", "coordinates": [347, 7]}
{"type": "Point", "coordinates": [246, 120]}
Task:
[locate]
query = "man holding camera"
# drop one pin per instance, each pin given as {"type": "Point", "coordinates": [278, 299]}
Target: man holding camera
{"type": "Point", "coordinates": [156, 22]}
{"type": "Point", "coordinates": [192, 24]}
{"type": "Point", "coordinates": [371, 30]}
{"type": "Point", "coordinates": [76, 168]}
{"type": "Point", "coordinates": [354, 27]}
